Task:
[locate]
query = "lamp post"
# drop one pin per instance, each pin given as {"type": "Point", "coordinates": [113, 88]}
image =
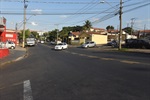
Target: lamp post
{"type": "Point", "coordinates": [24, 24]}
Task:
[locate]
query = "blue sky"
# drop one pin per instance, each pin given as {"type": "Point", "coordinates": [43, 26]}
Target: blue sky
{"type": "Point", "coordinates": [47, 15]}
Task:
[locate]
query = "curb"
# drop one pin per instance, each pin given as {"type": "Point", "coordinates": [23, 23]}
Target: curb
{"type": "Point", "coordinates": [17, 59]}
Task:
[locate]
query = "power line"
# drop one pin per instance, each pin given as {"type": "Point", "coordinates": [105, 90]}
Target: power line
{"type": "Point", "coordinates": [112, 15]}
{"type": "Point", "coordinates": [9, 13]}
{"type": "Point", "coordinates": [82, 10]}
{"type": "Point", "coordinates": [54, 2]}
{"type": "Point", "coordinates": [133, 4]}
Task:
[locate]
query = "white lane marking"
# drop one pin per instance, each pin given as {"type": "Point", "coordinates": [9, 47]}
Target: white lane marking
{"type": "Point", "coordinates": [27, 91]}
{"type": "Point", "coordinates": [130, 62]}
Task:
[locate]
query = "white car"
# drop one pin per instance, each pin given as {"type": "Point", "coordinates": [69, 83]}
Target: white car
{"type": "Point", "coordinates": [89, 44]}
{"type": "Point", "coordinates": [61, 46]}
{"type": "Point", "coordinates": [42, 41]}
{"type": "Point", "coordinates": [8, 44]}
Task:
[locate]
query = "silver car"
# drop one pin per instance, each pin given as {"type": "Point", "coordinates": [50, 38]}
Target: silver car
{"type": "Point", "coordinates": [89, 44]}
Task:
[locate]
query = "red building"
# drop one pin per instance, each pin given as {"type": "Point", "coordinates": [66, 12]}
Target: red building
{"type": "Point", "coordinates": [2, 27]}
{"type": "Point", "coordinates": [3, 51]}
{"type": "Point", "coordinates": [5, 34]}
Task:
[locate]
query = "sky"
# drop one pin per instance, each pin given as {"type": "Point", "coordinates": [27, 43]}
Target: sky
{"type": "Point", "coordinates": [47, 15]}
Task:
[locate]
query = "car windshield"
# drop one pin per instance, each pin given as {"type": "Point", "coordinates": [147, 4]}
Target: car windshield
{"type": "Point", "coordinates": [87, 43]}
{"type": "Point", "coordinates": [60, 44]}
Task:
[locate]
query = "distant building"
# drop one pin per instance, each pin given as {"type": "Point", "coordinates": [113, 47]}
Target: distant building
{"type": "Point", "coordinates": [97, 37]}
{"type": "Point", "coordinates": [40, 33]}
{"type": "Point", "coordinates": [114, 35]}
{"type": "Point", "coordinates": [143, 33]}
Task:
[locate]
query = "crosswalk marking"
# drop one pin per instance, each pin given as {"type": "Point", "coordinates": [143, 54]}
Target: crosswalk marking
{"type": "Point", "coordinates": [27, 91]}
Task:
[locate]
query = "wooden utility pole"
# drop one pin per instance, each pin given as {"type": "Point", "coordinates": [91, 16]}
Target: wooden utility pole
{"type": "Point", "coordinates": [24, 24]}
{"type": "Point", "coordinates": [120, 18]}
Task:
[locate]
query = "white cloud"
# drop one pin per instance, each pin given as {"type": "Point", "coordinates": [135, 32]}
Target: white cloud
{"type": "Point", "coordinates": [94, 19]}
{"type": "Point", "coordinates": [63, 16]}
{"type": "Point", "coordinates": [37, 11]}
{"type": "Point", "coordinates": [34, 24]}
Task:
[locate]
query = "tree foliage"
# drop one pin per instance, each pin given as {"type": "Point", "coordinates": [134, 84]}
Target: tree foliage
{"type": "Point", "coordinates": [128, 30]}
{"type": "Point", "coordinates": [110, 28]}
{"type": "Point", "coordinates": [35, 34]}
{"type": "Point", "coordinates": [27, 34]}
{"type": "Point", "coordinates": [66, 30]}
{"type": "Point", "coordinates": [87, 25]}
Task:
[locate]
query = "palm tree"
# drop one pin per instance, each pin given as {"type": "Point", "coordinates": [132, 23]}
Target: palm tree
{"type": "Point", "coordinates": [87, 25]}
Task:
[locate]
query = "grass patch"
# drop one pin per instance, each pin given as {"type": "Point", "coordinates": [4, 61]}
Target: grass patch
{"type": "Point", "coordinates": [124, 49]}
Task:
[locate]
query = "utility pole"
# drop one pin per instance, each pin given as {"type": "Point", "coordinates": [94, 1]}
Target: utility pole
{"type": "Point", "coordinates": [57, 33]}
{"type": "Point", "coordinates": [16, 27]}
{"type": "Point", "coordinates": [24, 24]}
{"type": "Point", "coordinates": [144, 30]}
{"type": "Point", "coordinates": [132, 22]}
{"type": "Point", "coordinates": [120, 18]}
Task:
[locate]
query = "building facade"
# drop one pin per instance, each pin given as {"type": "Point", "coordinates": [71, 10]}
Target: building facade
{"type": "Point", "coordinates": [5, 34]}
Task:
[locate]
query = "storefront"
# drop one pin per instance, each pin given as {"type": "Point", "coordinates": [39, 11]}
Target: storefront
{"type": "Point", "coordinates": [5, 34]}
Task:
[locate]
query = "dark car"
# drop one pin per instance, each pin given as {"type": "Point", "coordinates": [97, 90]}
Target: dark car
{"type": "Point", "coordinates": [137, 43]}
{"type": "Point", "coordinates": [111, 43]}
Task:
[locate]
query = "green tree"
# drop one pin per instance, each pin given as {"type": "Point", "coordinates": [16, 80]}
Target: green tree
{"type": "Point", "coordinates": [27, 34]}
{"type": "Point", "coordinates": [128, 30]}
{"type": "Point", "coordinates": [64, 32]}
{"type": "Point", "coordinates": [87, 25]}
{"type": "Point", "coordinates": [53, 34]}
{"type": "Point", "coordinates": [35, 34]}
{"type": "Point", "coordinates": [110, 28]}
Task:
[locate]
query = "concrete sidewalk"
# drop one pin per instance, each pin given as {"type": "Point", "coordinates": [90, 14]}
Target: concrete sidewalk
{"type": "Point", "coordinates": [110, 48]}
{"type": "Point", "coordinates": [14, 55]}
{"type": "Point", "coordinates": [133, 50]}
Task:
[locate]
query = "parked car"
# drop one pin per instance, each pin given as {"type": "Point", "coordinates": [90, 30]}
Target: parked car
{"type": "Point", "coordinates": [42, 41]}
{"type": "Point", "coordinates": [53, 42]}
{"type": "Point", "coordinates": [8, 44]}
{"type": "Point", "coordinates": [88, 44]}
{"type": "Point", "coordinates": [111, 43]}
{"type": "Point", "coordinates": [137, 43]}
{"type": "Point", "coordinates": [61, 46]}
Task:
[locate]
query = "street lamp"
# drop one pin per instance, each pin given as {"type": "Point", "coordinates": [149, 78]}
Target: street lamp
{"type": "Point", "coordinates": [24, 23]}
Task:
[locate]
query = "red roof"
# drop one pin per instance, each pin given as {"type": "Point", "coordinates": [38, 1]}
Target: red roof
{"type": "Point", "coordinates": [75, 33]}
{"type": "Point", "coordinates": [99, 33]}
{"type": "Point", "coordinates": [146, 31]}
{"type": "Point", "coordinates": [98, 28]}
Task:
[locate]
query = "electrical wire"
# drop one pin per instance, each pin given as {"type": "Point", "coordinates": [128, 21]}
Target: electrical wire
{"type": "Point", "coordinates": [84, 10]}
{"type": "Point", "coordinates": [53, 2]}
{"type": "Point", "coordinates": [110, 16]}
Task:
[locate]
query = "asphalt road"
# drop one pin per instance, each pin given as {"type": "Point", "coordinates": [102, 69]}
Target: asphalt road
{"type": "Point", "coordinates": [76, 74]}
